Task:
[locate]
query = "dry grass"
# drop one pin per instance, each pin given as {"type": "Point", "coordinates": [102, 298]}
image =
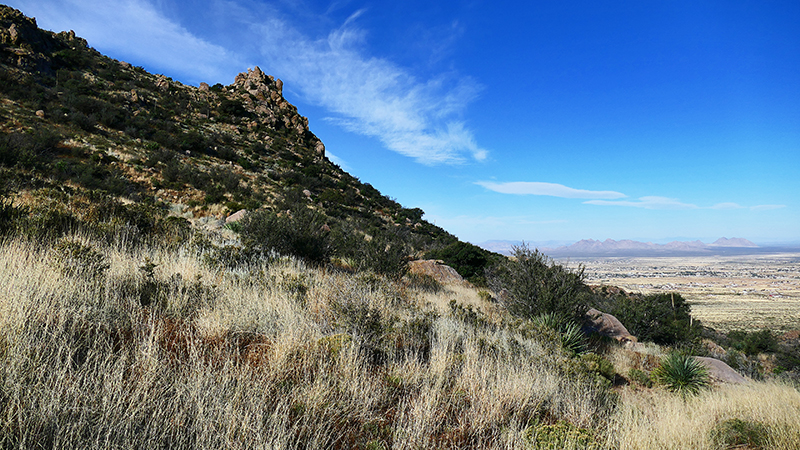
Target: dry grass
{"type": "Point", "coordinates": [277, 355]}
{"type": "Point", "coordinates": [656, 420]}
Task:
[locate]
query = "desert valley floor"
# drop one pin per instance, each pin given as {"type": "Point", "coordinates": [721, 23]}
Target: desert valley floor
{"type": "Point", "coordinates": [726, 292]}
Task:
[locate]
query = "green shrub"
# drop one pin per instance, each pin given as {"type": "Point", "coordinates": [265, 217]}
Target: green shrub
{"type": "Point", "coordinates": [10, 215]}
{"type": "Point", "coordinates": [370, 328]}
{"type": "Point", "coordinates": [661, 318]}
{"type": "Point", "coordinates": [754, 342]}
{"type": "Point", "coordinates": [468, 260]}
{"type": "Point", "coordinates": [76, 258]}
{"type": "Point", "coordinates": [385, 252]}
{"type": "Point", "coordinates": [736, 433]}
{"type": "Point", "coordinates": [681, 373]}
{"type": "Point", "coordinates": [640, 377]}
{"type": "Point", "coordinates": [300, 232]}
{"type": "Point", "coordinates": [747, 366]}
{"type": "Point", "coordinates": [599, 365]}
{"type": "Point", "coordinates": [468, 315]}
{"type": "Point", "coordinates": [28, 149]}
{"type": "Point", "coordinates": [535, 285]}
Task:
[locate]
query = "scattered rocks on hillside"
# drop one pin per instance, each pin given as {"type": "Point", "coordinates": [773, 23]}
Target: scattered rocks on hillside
{"type": "Point", "coordinates": [437, 269]}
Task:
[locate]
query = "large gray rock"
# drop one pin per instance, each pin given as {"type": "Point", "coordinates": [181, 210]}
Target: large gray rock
{"type": "Point", "coordinates": [608, 325]}
{"type": "Point", "coordinates": [721, 372]}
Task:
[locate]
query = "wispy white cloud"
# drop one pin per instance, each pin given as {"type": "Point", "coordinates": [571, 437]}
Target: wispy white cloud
{"type": "Point", "coordinates": [766, 207]}
{"type": "Point", "coordinates": [727, 205]}
{"type": "Point", "coordinates": [649, 202]}
{"type": "Point", "coordinates": [140, 32]}
{"type": "Point", "coordinates": [653, 202]}
{"type": "Point", "coordinates": [549, 189]}
{"type": "Point", "coordinates": [373, 96]}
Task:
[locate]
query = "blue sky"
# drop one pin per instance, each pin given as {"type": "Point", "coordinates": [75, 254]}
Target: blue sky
{"type": "Point", "coordinates": [511, 120]}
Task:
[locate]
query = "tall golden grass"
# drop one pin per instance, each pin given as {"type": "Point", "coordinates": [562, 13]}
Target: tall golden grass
{"type": "Point", "coordinates": [278, 355]}
{"type": "Point", "coordinates": [275, 355]}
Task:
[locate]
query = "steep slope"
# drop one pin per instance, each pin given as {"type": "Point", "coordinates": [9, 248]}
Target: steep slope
{"type": "Point", "coordinates": [77, 126]}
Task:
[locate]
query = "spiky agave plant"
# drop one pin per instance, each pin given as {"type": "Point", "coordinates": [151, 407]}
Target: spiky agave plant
{"type": "Point", "coordinates": [682, 373]}
{"type": "Point", "coordinates": [572, 338]}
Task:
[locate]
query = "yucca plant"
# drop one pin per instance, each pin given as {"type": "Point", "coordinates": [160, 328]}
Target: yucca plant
{"type": "Point", "coordinates": [572, 338]}
{"type": "Point", "coordinates": [681, 373]}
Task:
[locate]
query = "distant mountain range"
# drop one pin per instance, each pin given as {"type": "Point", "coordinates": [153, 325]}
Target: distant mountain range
{"type": "Point", "coordinates": [627, 247]}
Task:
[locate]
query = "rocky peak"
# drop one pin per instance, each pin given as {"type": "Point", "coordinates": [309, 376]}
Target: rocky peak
{"type": "Point", "coordinates": [266, 98]}
{"type": "Point", "coordinates": [259, 84]}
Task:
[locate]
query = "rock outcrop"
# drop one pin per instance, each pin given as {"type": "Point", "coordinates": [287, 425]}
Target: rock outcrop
{"type": "Point", "coordinates": [24, 45]}
{"type": "Point", "coordinates": [265, 97]}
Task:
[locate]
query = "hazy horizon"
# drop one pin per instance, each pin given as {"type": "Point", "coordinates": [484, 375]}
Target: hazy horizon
{"type": "Point", "coordinates": [515, 120]}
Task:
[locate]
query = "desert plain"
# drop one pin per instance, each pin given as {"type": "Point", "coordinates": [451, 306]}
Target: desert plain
{"type": "Point", "coordinates": [726, 292]}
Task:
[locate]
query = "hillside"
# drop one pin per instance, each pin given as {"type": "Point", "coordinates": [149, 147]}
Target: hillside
{"type": "Point", "coordinates": [79, 128]}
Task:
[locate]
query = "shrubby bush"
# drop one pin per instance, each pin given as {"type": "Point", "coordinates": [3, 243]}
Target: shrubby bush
{"type": "Point", "coordinates": [9, 214]}
{"type": "Point", "coordinates": [753, 342]}
{"type": "Point", "coordinates": [383, 251]}
{"type": "Point", "coordinates": [661, 318]}
{"type": "Point", "coordinates": [28, 149]}
{"type": "Point", "coordinates": [535, 285]}
{"type": "Point", "coordinates": [561, 435]}
{"type": "Point", "coordinates": [737, 433]}
{"type": "Point", "coordinates": [470, 261]}
{"type": "Point", "coordinates": [300, 232]}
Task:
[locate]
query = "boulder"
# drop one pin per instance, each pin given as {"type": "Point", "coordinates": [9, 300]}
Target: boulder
{"type": "Point", "coordinates": [608, 325]}
{"type": "Point", "coordinates": [437, 269]}
{"type": "Point", "coordinates": [721, 372]}
{"type": "Point", "coordinates": [235, 217]}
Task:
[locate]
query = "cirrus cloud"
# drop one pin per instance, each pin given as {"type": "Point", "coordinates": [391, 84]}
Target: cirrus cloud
{"type": "Point", "coordinates": [373, 96]}
{"type": "Point", "coordinates": [548, 189]}
{"type": "Point", "coordinates": [648, 202]}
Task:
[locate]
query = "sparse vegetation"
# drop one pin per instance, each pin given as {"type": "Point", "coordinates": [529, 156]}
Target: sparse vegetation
{"type": "Point", "coordinates": [735, 433]}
